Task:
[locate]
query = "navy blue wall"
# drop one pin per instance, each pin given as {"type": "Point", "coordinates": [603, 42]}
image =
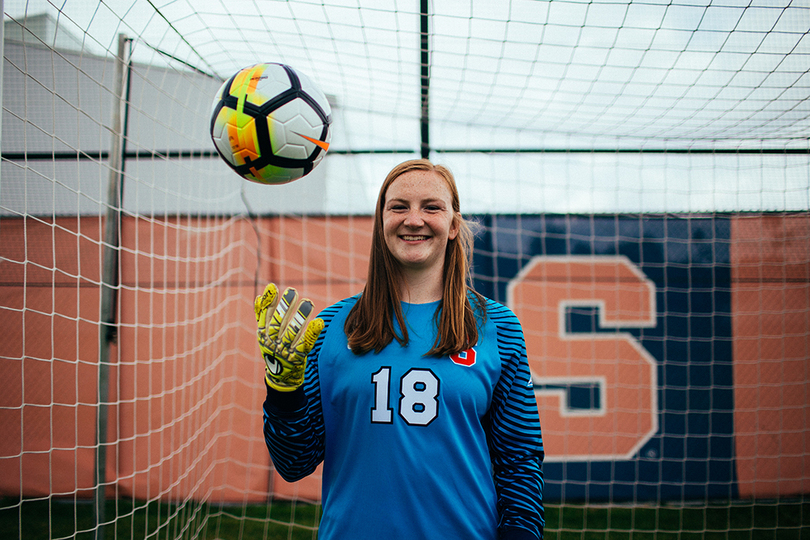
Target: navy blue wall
{"type": "Point", "coordinates": [692, 455]}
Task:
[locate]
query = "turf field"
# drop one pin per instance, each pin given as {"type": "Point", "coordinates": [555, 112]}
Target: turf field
{"type": "Point", "coordinates": [46, 520]}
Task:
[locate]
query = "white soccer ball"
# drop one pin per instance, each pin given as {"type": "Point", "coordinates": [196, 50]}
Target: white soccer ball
{"type": "Point", "coordinates": [271, 123]}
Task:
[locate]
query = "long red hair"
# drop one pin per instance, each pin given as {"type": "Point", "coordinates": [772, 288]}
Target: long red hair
{"type": "Point", "coordinates": [370, 324]}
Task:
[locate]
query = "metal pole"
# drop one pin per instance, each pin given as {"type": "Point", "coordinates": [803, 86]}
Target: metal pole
{"type": "Point", "coordinates": [2, 37]}
{"type": "Point", "coordinates": [109, 281]}
{"type": "Point", "coordinates": [425, 87]}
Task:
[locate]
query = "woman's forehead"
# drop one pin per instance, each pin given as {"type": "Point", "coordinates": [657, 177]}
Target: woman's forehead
{"type": "Point", "coordinates": [419, 184]}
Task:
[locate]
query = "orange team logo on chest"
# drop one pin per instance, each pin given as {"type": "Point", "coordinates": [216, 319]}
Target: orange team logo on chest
{"type": "Point", "coordinates": [464, 358]}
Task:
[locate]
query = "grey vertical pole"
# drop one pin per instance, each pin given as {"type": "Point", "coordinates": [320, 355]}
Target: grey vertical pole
{"type": "Point", "coordinates": [109, 281]}
{"type": "Point", "coordinates": [424, 46]}
{"type": "Point", "coordinates": [2, 38]}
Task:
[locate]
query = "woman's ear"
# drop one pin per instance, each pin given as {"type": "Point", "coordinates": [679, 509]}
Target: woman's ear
{"type": "Point", "coordinates": [455, 226]}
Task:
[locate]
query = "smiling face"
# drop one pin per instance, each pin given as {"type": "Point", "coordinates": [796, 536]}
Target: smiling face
{"type": "Point", "coordinates": [418, 220]}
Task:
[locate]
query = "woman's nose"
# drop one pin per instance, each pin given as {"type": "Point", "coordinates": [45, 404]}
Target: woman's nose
{"type": "Point", "coordinates": [413, 219]}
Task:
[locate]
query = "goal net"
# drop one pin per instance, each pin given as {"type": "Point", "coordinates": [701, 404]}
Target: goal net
{"type": "Point", "coordinates": [641, 172]}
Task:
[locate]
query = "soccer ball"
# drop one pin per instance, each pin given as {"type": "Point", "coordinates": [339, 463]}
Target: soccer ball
{"type": "Point", "coordinates": [270, 123]}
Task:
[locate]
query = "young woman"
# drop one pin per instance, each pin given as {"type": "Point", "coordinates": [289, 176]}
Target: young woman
{"type": "Point", "coordinates": [415, 394]}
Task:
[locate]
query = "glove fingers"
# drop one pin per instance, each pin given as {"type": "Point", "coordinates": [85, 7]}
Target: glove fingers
{"type": "Point", "coordinates": [297, 321]}
{"type": "Point", "coordinates": [265, 303]}
{"type": "Point", "coordinates": [307, 341]}
{"type": "Point", "coordinates": [282, 314]}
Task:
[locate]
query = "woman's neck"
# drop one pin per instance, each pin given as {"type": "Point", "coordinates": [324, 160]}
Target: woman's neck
{"type": "Point", "coordinates": [420, 287]}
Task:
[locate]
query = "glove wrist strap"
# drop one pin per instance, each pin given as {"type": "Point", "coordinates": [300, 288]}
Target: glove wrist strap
{"type": "Point", "coordinates": [276, 386]}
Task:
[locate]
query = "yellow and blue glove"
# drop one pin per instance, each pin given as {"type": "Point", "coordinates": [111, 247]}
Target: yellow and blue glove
{"type": "Point", "coordinates": [285, 338]}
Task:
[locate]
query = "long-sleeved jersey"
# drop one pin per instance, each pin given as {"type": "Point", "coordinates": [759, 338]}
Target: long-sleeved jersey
{"type": "Point", "coordinates": [416, 446]}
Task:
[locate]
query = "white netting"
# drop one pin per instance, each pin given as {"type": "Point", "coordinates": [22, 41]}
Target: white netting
{"type": "Point", "coordinates": [653, 151]}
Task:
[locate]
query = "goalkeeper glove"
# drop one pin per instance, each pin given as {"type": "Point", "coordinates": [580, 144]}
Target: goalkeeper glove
{"type": "Point", "coordinates": [284, 338]}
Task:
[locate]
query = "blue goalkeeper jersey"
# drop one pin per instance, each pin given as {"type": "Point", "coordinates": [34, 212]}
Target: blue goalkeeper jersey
{"type": "Point", "coordinates": [416, 447]}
